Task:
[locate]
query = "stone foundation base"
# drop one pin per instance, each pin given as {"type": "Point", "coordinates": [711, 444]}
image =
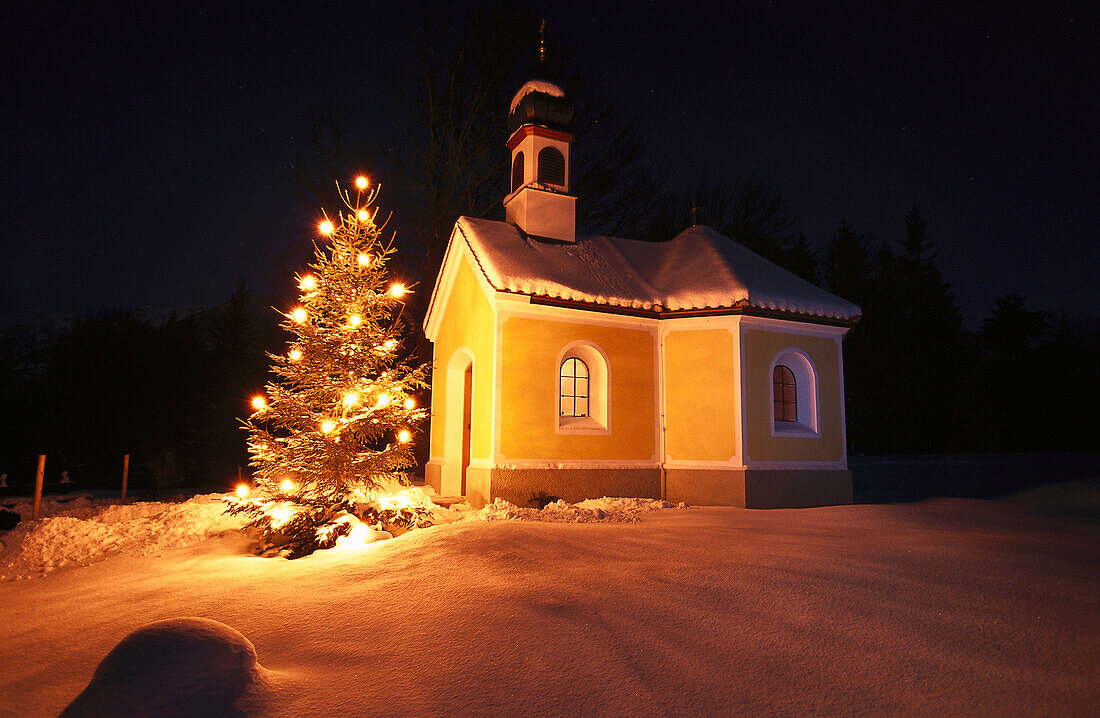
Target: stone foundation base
{"type": "Point", "coordinates": [759, 488]}
{"type": "Point", "coordinates": [520, 485]}
{"type": "Point", "coordinates": [750, 488]}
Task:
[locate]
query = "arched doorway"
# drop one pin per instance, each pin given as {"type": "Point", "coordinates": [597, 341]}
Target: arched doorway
{"type": "Point", "coordinates": [458, 423]}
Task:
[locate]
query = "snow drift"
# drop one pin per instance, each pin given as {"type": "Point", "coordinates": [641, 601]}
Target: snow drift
{"type": "Point", "coordinates": [181, 667]}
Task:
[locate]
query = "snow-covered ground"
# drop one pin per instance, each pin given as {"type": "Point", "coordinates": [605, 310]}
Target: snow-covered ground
{"type": "Point", "coordinates": [613, 607]}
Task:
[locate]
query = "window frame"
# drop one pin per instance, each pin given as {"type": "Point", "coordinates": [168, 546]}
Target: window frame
{"type": "Point", "coordinates": [783, 401]}
{"type": "Point", "coordinates": [807, 389]}
{"type": "Point", "coordinates": [598, 420]}
{"type": "Point", "coordinates": [574, 363]}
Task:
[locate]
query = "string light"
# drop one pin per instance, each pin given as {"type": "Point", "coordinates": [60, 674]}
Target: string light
{"type": "Point", "coordinates": [258, 402]}
{"type": "Point", "coordinates": [355, 320]}
{"type": "Point", "coordinates": [410, 403]}
{"type": "Point", "coordinates": [299, 315]}
{"type": "Point", "coordinates": [351, 399]}
{"type": "Point", "coordinates": [361, 182]}
{"type": "Point", "coordinates": [295, 354]}
{"type": "Point", "coordinates": [326, 227]}
{"type": "Point", "coordinates": [363, 215]}
{"type": "Point", "coordinates": [383, 399]}
{"type": "Point", "coordinates": [389, 344]}
{"type": "Point", "coordinates": [279, 516]}
{"type": "Point", "coordinates": [403, 436]}
{"type": "Point", "coordinates": [327, 426]}
{"type": "Point", "coordinates": [242, 490]}
{"type": "Point", "coordinates": [286, 485]}
{"type": "Point", "coordinates": [308, 283]}
{"type": "Point", "coordinates": [398, 290]}
{"type": "Point", "coordinates": [364, 260]}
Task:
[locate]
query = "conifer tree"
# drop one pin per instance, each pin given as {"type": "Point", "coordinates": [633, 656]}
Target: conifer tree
{"type": "Point", "coordinates": [335, 429]}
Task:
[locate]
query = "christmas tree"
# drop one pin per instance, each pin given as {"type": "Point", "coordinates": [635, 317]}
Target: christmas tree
{"type": "Point", "coordinates": [331, 439]}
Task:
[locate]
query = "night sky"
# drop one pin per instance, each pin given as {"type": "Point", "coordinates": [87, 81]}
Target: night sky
{"type": "Point", "coordinates": [145, 149]}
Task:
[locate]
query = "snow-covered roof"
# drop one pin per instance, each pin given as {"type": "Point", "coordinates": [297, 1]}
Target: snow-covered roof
{"type": "Point", "coordinates": [535, 86]}
{"type": "Point", "coordinates": [697, 270]}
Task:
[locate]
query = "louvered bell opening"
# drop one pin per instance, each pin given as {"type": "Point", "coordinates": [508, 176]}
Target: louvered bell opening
{"type": "Point", "coordinates": [517, 171]}
{"type": "Point", "coordinates": [551, 167]}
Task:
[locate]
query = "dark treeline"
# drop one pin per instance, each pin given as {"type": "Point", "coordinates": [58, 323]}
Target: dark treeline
{"type": "Point", "coordinates": [916, 382]}
{"type": "Point", "coordinates": [168, 392]}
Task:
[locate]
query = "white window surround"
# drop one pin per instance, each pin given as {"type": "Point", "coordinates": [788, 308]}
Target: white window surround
{"type": "Point", "coordinates": [805, 377]}
{"type": "Point", "coordinates": [598, 421]}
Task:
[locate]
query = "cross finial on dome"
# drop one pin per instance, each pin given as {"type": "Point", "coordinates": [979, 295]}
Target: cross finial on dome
{"type": "Point", "coordinates": [542, 42]}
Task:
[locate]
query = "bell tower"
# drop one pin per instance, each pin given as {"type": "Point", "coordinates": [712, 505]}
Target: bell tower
{"type": "Point", "coordinates": [540, 122]}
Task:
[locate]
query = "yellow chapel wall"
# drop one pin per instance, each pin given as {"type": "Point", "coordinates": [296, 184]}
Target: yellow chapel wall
{"type": "Point", "coordinates": [467, 321]}
{"type": "Point", "coordinates": [700, 394]}
{"type": "Point", "coordinates": [530, 348]}
{"type": "Point", "coordinates": [760, 349]}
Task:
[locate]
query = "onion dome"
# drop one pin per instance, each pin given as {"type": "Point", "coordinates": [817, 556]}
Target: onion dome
{"type": "Point", "coordinates": [543, 103]}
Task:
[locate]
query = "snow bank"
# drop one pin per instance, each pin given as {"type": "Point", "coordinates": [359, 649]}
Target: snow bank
{"type": "Point", "coordinates": [177, 667]}
{"type": "Point", "coordinates": [82, 531]}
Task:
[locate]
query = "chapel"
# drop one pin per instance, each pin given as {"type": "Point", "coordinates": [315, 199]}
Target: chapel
{"type": "Point", "coordinates": [575, 366]}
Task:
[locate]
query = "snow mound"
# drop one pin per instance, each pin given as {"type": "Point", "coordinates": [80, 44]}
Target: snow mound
{"type": "Point", "coordinates": [177, 667]}
{"type": "Point", "coordinates": [605, 510]}
{"type": "Point", "coordinates": [82, 531]}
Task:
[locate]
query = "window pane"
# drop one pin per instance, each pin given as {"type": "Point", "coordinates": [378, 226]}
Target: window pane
{"type": "Point", "coordinates": [566, 387]}
{"type": "Point", "coordinates": [581, 388]}
{"type": "Point", "coordinates": [580, 368]}
{"type": "Point", "coordinates": [581, 407]}
{"type": "Point", "coordinates": [567, 406]}
{"type": "Point", "coordinates": [789, 394]}
{"type": "Point", "coordinates": [777, 374]}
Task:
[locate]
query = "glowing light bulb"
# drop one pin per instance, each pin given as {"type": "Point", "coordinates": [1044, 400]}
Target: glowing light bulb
{"type": "Point", "coordinates": [258, 402]}
{"type": "Point", "coordinates": [403, 436]}
{"type": "Point", "coordinates": [355, 320]}
{"type": "Point", "coordinates": [364, 260]}
{"type": "Point", "coordinates": [389, 344]}
{"type": "Point", "coordinates": [361, 182]}
{"type": "Point", "coordinates": [383, 399]}
{"type": "Point", "coordinates": [295, 354]}
{"type": "Point", "coordinates": [410, 403]}
{"type": "Point", "coordinates": [299, 315]}
{"type": "Point", "coordinates": [326, 227]}
{"type": "Point", "coordinates": [286, 485]}
{"type": "Point", "coordinates": [308, 283]}
{"type": "Point", "coordinates": [398, 290]}
{"type": "Point", "coordinates": [242, 490]}
{"type": "Point", "coordinates": [351, 398]}
{"type": "Point", "coordinates": [280, 515]}
{"type": "Point", "coordinates": [363, 215]}
{"type": "Point", "coordinates": [327, 426]}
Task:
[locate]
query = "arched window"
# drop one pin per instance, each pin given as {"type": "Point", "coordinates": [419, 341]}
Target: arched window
{"type": "Point", "coordinates": [573, 394]}
{"type": "Point", "coordinates": [517, 171]}
{"type": "Point", "coordinates": [794, 394]}
{"type": "Point", "coordinates": [583, 405]}
{"type": "Point", "coordinates": [551, 166]}
{"type": "Point", "coordinates": [784, 394]}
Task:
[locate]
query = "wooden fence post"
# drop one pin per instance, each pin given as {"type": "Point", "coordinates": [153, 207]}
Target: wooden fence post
{"type": "Point", "coordinates": [125, 473]}
{"type": "Point", "coordinates": [38, 485]}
